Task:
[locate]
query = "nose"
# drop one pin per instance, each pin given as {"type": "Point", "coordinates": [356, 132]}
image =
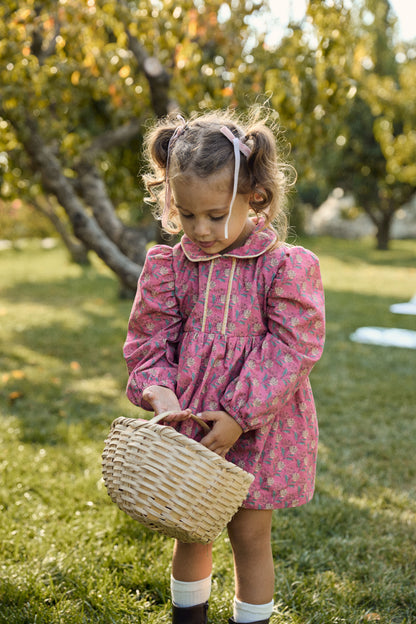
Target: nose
{"type": "Point", "coordinates": [201, 228]}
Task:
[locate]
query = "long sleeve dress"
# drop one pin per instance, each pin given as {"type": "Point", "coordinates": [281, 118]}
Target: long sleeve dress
{"type": "Point", "coordinates": [238, 332]}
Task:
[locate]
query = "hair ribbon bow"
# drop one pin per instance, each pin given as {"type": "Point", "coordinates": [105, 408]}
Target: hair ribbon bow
{"type": "Point", "coordinates": [239, 146]}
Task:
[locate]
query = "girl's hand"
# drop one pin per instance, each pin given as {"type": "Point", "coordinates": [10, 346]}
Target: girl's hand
{"type": "Point", "coordinates": [223, 434]}
{"type": "Point", "coordinates": [165, 400]}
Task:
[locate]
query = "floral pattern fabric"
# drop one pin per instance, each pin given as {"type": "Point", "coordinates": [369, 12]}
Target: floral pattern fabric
{"type": "Point", "coordinates": [238, 332]}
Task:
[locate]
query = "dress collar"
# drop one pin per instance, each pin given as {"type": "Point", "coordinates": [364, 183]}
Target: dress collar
{"type": "Point", "coordinates": [256, 244]}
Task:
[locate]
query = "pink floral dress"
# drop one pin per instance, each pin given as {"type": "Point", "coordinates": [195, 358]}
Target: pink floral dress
{"type": "Point", "coordinates": [238, 332]}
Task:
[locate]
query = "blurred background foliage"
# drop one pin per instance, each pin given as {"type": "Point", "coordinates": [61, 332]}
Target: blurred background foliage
{"type": "Point", "coordinates": [81, 81]}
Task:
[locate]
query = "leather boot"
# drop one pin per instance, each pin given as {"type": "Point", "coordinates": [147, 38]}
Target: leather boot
{"type": "Point", "coordinates": [190, 615]}
{"type": "Point", "coordinates": [231, 621]}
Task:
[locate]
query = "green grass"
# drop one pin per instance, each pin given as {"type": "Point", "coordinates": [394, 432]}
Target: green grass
{"type": "Point", "coordinates": [68, 555]}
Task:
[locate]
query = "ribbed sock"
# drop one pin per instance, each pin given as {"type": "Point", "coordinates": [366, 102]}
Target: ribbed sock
{"type": "Point", "coordinates": [245, 612]}
{"type": "Point", "coordinates": [186, 594]}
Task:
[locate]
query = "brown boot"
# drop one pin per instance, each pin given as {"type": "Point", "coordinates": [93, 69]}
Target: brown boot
{"type": "Point", "coordinates": [190, 615]}
{"type": "Point", "coordinates": [231, 621]}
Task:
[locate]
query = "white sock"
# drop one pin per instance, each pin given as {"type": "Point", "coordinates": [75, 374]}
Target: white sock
{"type": "Point", "coordinates": [190, 594]}
{"type": "Point", "coordinates": [245, 612]}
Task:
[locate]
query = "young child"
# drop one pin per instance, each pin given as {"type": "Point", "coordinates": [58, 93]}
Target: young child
{"type": "Point", "coordinates": [228, 324]}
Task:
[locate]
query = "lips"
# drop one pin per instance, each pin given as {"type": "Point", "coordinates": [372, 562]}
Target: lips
{"type": "Point", "coordinates": [205, 244]}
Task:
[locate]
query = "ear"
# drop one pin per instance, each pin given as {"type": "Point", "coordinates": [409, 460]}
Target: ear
{"type": "Point", "coordinates": [258, 196]}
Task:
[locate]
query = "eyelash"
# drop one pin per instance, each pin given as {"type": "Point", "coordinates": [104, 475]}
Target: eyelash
{"type": "Point", "coordinates": [212, 218]}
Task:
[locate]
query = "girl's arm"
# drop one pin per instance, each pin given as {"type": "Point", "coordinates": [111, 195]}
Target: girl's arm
{"type": "Point", "coordinates": [154, 329]}
{"type": "Point", "coordinates": [279, 367]}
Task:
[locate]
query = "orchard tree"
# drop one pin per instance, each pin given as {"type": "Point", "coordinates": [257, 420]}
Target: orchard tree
{"type": "Point", "coordinates": [345, 91]}
{"type": "Point", "coordinates": [310, 80]}
{"type": "Point", "coordinates": [376, 159]}
{"type": "Point", "coordinates": [79, 83]}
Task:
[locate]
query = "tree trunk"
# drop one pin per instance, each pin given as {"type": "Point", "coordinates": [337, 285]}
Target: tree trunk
{"type": "Point", "coordinates": [383, 232]}
{"type": "Point", "coordinates": [381, 214]}
{"type": "Point", "coordinates": [122, 248]}
{"type": "Point", "coordinates": [85, 200]}
{"type": "Point", "coordinates": [85, 227]}
{"type": "Point", "coordinates": [385, 218]}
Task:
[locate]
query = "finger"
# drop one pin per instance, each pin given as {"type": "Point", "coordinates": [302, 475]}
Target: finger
{"type": "Point", "coordinates": [221, 451]}
{"type": "Point", "coordinates": [214, 445]}
{"type": "Point", "coordinates": [209, 440]}
{"type": "Point", "coordinates": [178, 415]}
{"type": "Point", "coordinates": [208, 416]}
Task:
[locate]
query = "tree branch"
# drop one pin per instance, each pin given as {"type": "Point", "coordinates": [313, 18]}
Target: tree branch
{"type": "Point", "coordinates": [112, 138]}
{"type": "Point", "coordinates": [156, 75]}
{"type": "Point", "coordinates": [36, 47]}
{"type": "Point", "coordinates": [76, 248]}
{"type": "Point", "coordinates": [130, 241]}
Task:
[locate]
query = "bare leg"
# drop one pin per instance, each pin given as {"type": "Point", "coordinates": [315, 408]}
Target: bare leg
{"type": "Point", "coordinates": [250, 536]}
{"type": "Point", "coordinates": [191, 562]}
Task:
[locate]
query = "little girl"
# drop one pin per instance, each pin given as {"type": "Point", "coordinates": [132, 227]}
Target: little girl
{"type": "Point", "coordinates": [227, 325]}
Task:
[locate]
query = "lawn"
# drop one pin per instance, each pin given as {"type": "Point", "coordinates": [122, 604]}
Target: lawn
{"type": "Point", "coordinates": [69, 556]}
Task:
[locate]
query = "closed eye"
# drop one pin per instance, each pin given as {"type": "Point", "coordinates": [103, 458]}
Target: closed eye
{"type": "Point", "coordinates": [190, 216]}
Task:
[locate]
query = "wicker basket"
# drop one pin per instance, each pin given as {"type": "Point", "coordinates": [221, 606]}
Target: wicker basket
{"type": "Point", "coordinates": [169, 482]}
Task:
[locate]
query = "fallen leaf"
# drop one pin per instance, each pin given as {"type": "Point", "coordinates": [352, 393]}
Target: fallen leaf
{"type": "Point", "coordinates": [18, 374]}
{"type": "Point", "coordinates": [372, 617]}
{"type": "Point", "coordinates": [75, 366]}
{"type": "Point", "coordinates": [15, 395]}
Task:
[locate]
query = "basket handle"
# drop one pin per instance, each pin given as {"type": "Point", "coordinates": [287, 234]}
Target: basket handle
{"type": "Point", "coordinates": [198, 420]}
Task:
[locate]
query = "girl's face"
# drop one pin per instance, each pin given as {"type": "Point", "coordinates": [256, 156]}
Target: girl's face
{"type": "Point", "coordinates": [203, 205]}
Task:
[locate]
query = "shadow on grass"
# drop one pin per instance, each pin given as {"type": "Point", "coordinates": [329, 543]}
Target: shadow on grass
{"type": "Point", "coordinates": [63, 364]}
{"type": "Point", "coordinates": [63, 291]}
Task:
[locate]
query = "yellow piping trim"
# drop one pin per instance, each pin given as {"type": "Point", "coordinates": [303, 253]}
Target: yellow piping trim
{"type": "Point", "coordinates": [204, 318]}
{"type": "Point", "coordinates": [227, 301]}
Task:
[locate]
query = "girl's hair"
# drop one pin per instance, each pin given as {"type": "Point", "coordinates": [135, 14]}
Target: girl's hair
{"type": "Point", "coordinates": [199, 148]}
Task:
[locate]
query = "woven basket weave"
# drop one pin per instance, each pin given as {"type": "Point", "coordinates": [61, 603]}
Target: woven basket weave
{"type": "Point", "coordinates": [171, 483]}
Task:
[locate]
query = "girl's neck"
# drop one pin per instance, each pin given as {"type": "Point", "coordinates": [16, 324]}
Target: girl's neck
{"type": "Point", "coordinates": [247, 230]}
